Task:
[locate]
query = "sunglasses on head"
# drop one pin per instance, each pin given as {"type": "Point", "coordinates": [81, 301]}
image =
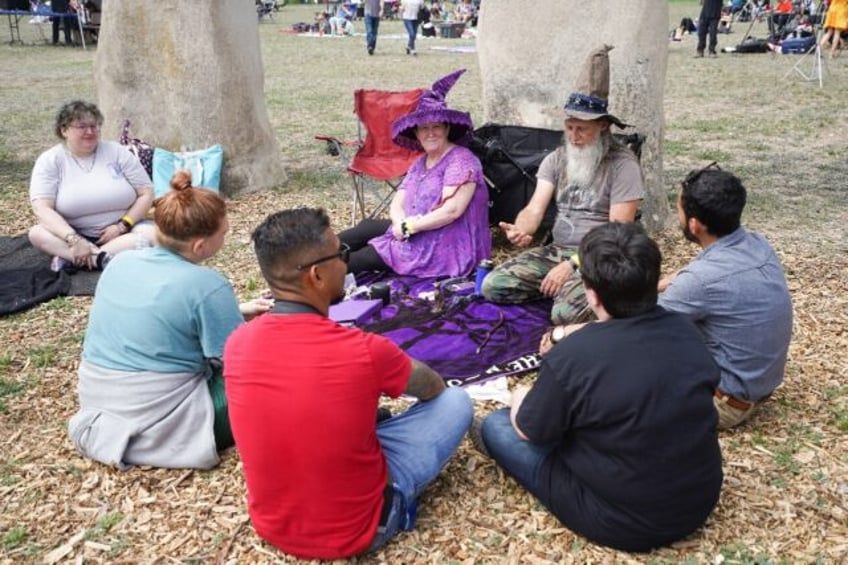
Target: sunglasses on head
{"type": "Point", "coordinates": [343, 254]}
{"type": "Point", "coordinates": [695, 173]}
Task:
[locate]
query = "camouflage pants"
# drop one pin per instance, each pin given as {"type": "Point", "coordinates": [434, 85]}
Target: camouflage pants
{"type": "Point", "coordinates": [518, 280]}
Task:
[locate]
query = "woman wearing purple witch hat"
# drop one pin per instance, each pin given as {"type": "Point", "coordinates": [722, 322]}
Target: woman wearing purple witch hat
{"type": "Point", "coordinates": [438, 223]}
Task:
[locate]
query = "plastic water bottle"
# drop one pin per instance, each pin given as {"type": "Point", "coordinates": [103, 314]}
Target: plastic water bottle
{"type": "Point", "coordinates": [483, 269]}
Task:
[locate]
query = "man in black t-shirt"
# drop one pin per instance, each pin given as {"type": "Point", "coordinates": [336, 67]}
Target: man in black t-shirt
{"type": "Point", "coordinates": [618, 435]}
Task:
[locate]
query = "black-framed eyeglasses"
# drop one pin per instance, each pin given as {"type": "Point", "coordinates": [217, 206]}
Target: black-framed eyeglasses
{"type": "Point", "coordinates": [343, 254]}
{"type": "Point", "coordinates": [86, 127]}
{"type": "Point", "coordinates": [695, 173]}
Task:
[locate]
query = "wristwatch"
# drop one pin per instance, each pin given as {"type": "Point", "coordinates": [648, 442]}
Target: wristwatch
{"type": "Point", "coordinates": [557, 334]}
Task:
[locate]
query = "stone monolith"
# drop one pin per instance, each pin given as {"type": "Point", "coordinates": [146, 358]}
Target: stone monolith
{"type": "Point", "coordinates": [530, 52]}
{"type": "Point", "coordinates": [188, 74]}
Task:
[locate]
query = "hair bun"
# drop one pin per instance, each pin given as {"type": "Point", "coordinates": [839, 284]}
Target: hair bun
{"type": "Point", "coordinates": [181, 180]}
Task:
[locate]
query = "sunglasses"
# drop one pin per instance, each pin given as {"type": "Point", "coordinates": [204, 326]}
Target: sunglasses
{"type": "Point", "coordinates": [343, 254]}
{"type": "Point", "coordinates": [695, 174]}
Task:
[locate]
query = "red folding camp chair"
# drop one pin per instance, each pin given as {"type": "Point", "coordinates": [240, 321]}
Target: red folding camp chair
{"type": "Point", "coordinates": [378, 161]}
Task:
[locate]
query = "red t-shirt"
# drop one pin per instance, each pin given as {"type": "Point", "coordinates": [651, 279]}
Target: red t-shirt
{"type": "Point", "coordinates": [784, 7]}
{"type": "Point", "coordinates": [303, 394]}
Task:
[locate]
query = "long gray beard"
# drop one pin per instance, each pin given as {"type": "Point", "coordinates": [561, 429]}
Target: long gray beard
{"type": "Point", "coordinates": [582, 162]}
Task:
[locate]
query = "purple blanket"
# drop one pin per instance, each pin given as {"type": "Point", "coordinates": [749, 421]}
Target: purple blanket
{"type": "Point", "coordinates": [464, 338]}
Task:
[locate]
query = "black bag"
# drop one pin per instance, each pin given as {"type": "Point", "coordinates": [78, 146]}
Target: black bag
{"type": "Point", "coordinates": [511, 155]}
{"type": "Point", "coordinates": [753, 45]}
{"type": "Point", "coordinates": [423, 14]}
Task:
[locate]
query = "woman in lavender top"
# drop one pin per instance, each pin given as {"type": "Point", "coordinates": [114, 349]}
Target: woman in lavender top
{"type": "Point", "coordinates": [438, 218]}
{"type": "Point", "coordinates": [90, 197]}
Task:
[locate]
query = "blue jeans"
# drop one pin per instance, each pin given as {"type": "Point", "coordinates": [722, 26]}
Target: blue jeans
{"type": "Point", "coordinates": [417, 444]}
{"type": "Point", "coordinates": [411, 30]}
{"type": "Point", "coordinates": [372, 24]}
{"type": "Point", "coordinates": [521, 459]}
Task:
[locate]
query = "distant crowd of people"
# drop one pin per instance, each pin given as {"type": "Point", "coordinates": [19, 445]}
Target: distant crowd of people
{"type": "Point", "coordinates": [787, 19]}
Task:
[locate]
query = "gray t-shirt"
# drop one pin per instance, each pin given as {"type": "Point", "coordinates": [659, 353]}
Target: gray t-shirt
{"type": "Point", "coordinates": [372, 7]}
{"type": "Point", "coordinates": [619, 179]}
{"type": "Point", "coordinates": [89, 200]}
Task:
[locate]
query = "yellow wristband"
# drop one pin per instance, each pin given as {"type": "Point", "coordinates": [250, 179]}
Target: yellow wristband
{"type": "Point", "coordinates": [127, 220]}
{"type": "Point", "coordinates": [410, 227]}
{"type": "Point", "coordinates": [575, 259]}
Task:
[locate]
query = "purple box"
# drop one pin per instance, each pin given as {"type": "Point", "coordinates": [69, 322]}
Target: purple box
{"type": "Point", "coordinates": [353, 312]}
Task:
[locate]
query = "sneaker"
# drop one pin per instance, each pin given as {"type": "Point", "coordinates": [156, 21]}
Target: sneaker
{"type": "Point", "coordinates": [58, 264]}
{"type": "Point", "coordinates": [475, 434]}
{"type": "Point", "coordinates": [713, 55]}
{"type": "Point", "coordinates": [370, 50]}
{"type": "Point", "coordinates": [103, 259]}
{"type": "Point", "coordinates": [407, 50]}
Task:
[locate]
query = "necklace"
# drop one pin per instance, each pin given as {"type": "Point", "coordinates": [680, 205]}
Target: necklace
{"type": "Point", "coordinates": [82, 167]}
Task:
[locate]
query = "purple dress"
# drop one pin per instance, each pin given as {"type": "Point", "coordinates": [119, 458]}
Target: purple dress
{"type": "Point", "coordinates": [452, 250]}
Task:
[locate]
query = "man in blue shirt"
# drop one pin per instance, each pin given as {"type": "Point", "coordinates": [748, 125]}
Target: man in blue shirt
{"type": "Point", "coordinates": [734, 291]}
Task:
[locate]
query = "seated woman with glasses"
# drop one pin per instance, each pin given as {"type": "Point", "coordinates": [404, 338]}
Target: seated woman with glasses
{"type": "Point", "coordinates": [151, 391]}
{"type": "Point", "coordinates": [90, 197]}
{"type": "Point", "coordinates": [439, 215]}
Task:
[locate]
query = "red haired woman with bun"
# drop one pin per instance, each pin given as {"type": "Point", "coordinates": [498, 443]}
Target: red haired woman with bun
{"type": "Point", "coordinates": [150, 385]}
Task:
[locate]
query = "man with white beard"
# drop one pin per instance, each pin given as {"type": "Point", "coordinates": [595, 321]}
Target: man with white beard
{"type": "Point", "coordinates": [594, 179]}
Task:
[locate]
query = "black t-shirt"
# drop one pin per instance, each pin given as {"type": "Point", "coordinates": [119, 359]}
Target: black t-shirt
{"type": "Point", "coordinates": [711, 10]}
{"type": "Point", "coordinates": [629, 404]}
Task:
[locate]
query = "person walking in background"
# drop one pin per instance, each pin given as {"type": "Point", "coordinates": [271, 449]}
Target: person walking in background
{"type": "Point", "coordinates": [708, 23]}
{"type": "Point", "coordinates": [409, 10]}
{"type": "Point", "coordinates": [373, 13]}
{"type": "Point", "coordinates": [61, 7]}
{"type": "Point", "coordinates": [835, 23]}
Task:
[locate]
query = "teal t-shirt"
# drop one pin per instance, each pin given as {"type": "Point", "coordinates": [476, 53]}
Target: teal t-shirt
{"type": "Point", "coordinates": [155, 311]}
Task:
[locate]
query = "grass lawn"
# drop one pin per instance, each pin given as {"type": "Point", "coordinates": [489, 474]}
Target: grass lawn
{"type": "Point", "coordinates": [785, 498]}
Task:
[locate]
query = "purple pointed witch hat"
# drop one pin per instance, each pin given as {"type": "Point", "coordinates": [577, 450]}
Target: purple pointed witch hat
{"type": "Point", "coordinates": [431, 109]}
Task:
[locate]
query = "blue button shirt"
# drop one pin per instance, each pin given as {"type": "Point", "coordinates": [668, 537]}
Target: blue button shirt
{"type": "Point", "coordinates": [735, 292]}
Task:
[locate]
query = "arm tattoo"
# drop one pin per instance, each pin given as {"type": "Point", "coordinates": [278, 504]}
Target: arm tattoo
{"type": "Point", "coordinates": [424, 383]}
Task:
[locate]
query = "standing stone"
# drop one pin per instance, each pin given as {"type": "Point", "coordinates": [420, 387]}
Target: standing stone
{"type": "Point", "coordinates": [530, 53]}
{"type": "Point", "coordinates": [188, 74]}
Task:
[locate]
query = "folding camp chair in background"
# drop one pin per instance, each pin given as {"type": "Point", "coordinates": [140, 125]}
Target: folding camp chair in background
{"type": "Point", "coordinates": [378, 162]}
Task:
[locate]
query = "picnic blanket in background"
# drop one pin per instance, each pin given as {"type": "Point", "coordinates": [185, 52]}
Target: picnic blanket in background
{"type": "Point", "coordinates": [26, 279]}
{"type": "Point", "coordinates": [463, 337]}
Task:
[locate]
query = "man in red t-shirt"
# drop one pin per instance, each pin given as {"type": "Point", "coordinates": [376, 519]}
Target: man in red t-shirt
{"type": "Point", "coordinates": [324, 479]}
